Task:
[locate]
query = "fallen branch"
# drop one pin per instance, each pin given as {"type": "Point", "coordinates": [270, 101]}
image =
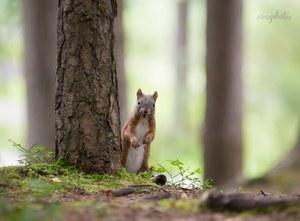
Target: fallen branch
{"type": "Point", "coordinates": [159, 196]}
{"type": "Point", "coordinates": [166, 195]}
{"type": "Point", "coordinates": [124, 191]}
{"type": "Point", "coordinates": [241, 202]}
{"type": "Point", "coordinates": [159, 188]}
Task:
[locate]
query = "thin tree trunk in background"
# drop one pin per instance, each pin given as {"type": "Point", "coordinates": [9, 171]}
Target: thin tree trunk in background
{"type": "Point", "coordinates": [87, 109]}
{"type": "Point", "coordinates": [40, 19]}
{"type": "Point", "coordinates": [181, 63]}
{"type": "Point", "coordinates": [120, 60]}
{"type": "Point", "coordinates": [224, 101]}
{"type": "Point", "coordinates": [290, 161]}
{"type": "Point", "coordinates": [283, 177]}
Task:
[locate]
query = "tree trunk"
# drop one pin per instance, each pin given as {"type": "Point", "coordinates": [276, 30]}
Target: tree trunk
{"type": "Point", "coordinates": [181, 63]}
{"type": "Point", "coordinates": [120, 59]}
{"type": "Point", "coordinates": [223, 118]}
{"type": "Point", "coordinates": [40, 19]}
{"type": "Point", "coordinates": [87, 109]}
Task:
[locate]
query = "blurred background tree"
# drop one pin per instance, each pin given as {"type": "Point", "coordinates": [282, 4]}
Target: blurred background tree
{"type": "Point", "coordinates": [270, 70]}
{"type": "Point", "coordinates": [181, 65]}
{"type": "Point", "coordinates": [223, 142]}
{"type": "Point", "coordinates": [290, 160]}
{"type": "Point", "coordinates": [40, 21]}
{"type": "Point", "coordinates": [120, 60]}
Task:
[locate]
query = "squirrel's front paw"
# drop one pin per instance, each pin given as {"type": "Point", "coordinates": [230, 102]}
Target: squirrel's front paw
{"type": "Point", "coordinates": [134, 142]}
{"type": "Point", "coordinates": [147, 139]}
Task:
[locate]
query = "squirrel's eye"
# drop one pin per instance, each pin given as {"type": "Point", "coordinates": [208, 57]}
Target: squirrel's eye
{"type": "Point", "coordinates": [139, 103]}
{"type": "Point", "coordinates": [153, 105]}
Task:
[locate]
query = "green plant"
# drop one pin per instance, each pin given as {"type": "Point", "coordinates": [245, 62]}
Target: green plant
{"type": "Point", "coordinates": [132, 178]}
{"type": "Point", "coordinates": [183, 177]}
{"type": "Point", "coordinates": [34, 154]}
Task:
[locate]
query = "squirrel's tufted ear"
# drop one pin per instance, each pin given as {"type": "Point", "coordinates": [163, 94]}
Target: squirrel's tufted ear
{"type": "Point", "coordinates": [139, 93]}
{"type": "Point", "coordinates": [155, 95]}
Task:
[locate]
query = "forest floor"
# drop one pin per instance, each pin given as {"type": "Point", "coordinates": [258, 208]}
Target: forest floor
{"type": "Point", "coordinates": [58, 192]}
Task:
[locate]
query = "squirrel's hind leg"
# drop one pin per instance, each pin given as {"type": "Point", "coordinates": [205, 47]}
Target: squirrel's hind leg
{"type": "Point", "coordinates": [145, 166]}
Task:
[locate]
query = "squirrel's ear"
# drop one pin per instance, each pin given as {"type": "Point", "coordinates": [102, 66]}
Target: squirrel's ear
{"type": "Point", "coordinates": [139, 93]}
{"type": "Point", "coordinates": [155, 95]}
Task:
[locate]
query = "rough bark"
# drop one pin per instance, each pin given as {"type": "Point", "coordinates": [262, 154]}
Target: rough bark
{"type": "Point", "coordinates": [87, 109]}
{"type": "Point", "coordinates": [223, 117]}
{"type": "Point", "coordinates": [181, 63]}
{"type": "Point", "coordinates": [120, 59]}
{"type": "Point", "coordinates": [40, 19]}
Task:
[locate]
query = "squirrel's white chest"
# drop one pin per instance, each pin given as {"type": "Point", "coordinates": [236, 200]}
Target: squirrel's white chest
{"type": "Point", "coordinates": [141, 129]}
{"type": "Point", "coordinates": [136, 155]}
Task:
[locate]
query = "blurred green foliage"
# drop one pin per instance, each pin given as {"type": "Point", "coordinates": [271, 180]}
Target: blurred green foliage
{"type": "Point", "coordinates": [12, 85]}
{"type": "Point", "coordinates": [10, 29]}
{"type": "Point", "coordinates": [272, 83]}
{"type": "Point", "coordinates": [271, 77]}
{"type": "Point", "coordinates": [10, 12]}
{"type": "Point", "coordinates": [30, 212]}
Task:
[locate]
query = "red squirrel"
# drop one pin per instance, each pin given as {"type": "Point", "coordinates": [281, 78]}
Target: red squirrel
{"type": "Point", "coordinates": [137, 134]}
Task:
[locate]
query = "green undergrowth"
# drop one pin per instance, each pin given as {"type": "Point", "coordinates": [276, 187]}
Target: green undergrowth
{"type": "Point", "coordinates": [173, 205]}
{"type": "Point", "coordinates": [24, 211]}
{"type": "Point", "coordinates": [89, 209]}
{"type": "Point", "coordinates": [43, 180]}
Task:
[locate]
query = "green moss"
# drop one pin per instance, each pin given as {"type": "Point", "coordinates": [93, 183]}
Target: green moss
{"type": "Point", "coordinates": [185, 206]}
{"type": "Point", "coordinates": [43, 180]}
